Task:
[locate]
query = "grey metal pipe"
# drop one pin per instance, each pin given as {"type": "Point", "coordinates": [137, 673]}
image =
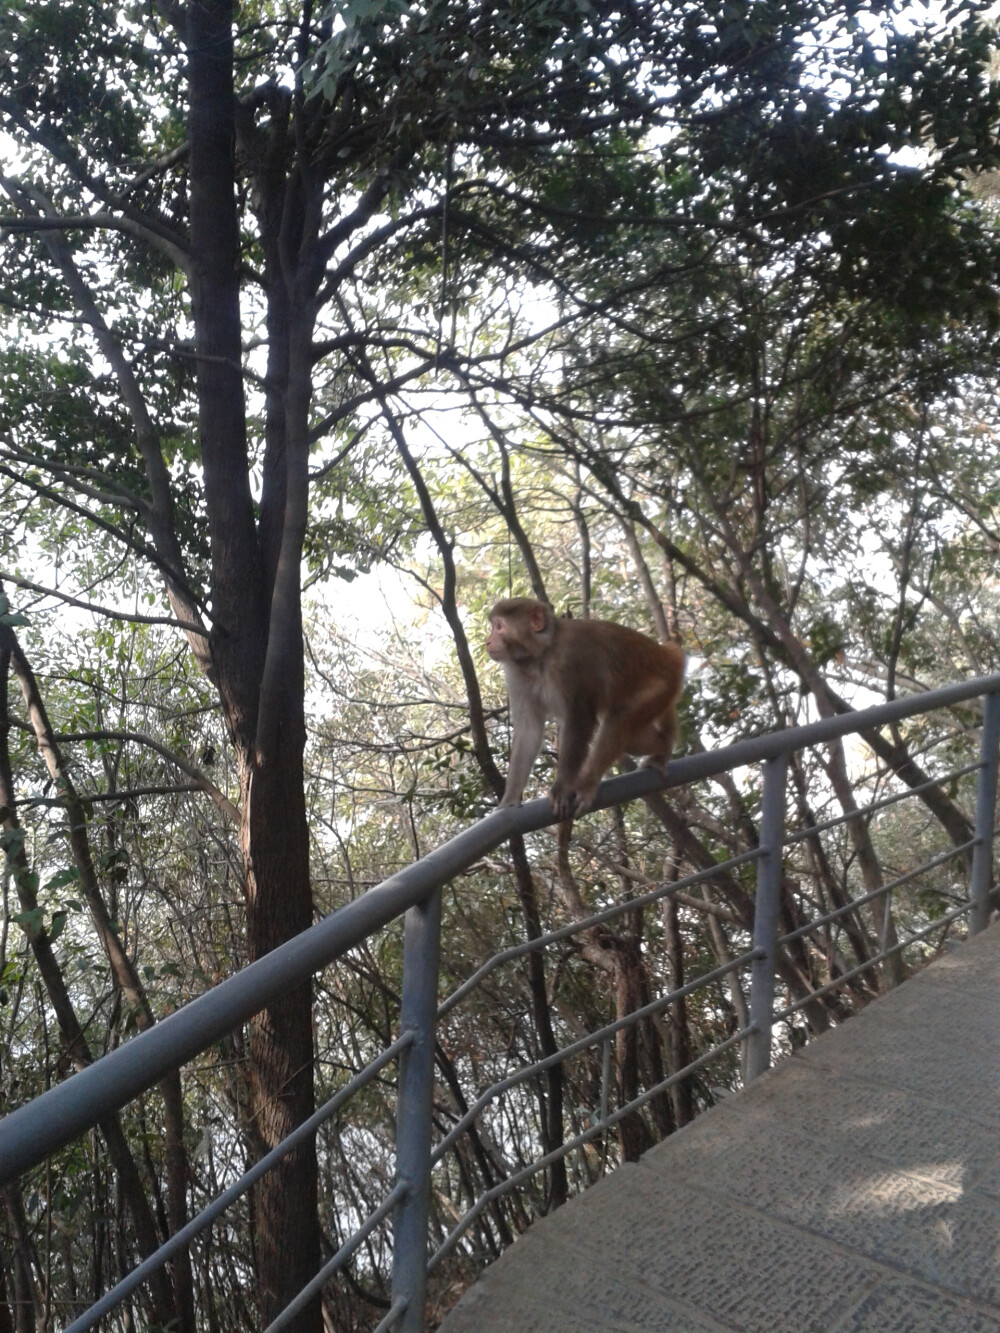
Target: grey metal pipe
{"type": "Point", "coordinates": [577, 927]}
{"type": "Point", "coordinates": [907, 877]}
{"type": "Point", "coordinates": [767, 901]}
{"type": "Point", "coordinates": [981, 878]}
{"type": "Point", "coordinates": [228, 1197]}
{"type": "Point", "coordinates": [333, 1266]}
{"type": "Point", "coordinates": [414, 1109]}
{"type": "Point", "coordinates": [883, 803]}
{"type": "Point", "coordinates": [630, 1019]}
{"type": "Point", "coordinates": [35, 1131]}
{"type": "Point", "coordinates": [509, 1183]}
{"type": "Point", "coordinates": [936, 925]}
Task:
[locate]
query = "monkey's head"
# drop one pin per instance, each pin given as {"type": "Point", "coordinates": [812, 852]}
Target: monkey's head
{"type": "Point", "coordinates": [521, 630]}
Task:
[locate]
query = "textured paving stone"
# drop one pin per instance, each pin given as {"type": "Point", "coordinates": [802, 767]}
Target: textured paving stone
{"type": "Point", "coordinates": [549, 1280]}
{"type": "Point", "coordinates": [737, 1264]}
{"type": "Point", "coordinates": [980, 967]}
{"type": "Point", "coordinates": [855, 1189]}
{"type": "Point", "coordinates": [989, 1181]}
{"type": "Point", "coordinates": [898, 1306]}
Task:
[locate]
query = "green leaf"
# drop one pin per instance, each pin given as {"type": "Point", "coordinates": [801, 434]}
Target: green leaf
{"type": "Point", "coordinates": [32, 920]}
{"type": "Point", "coordinates": [12, 841]}
{"type": "Point", "coordinates": [63, 877]}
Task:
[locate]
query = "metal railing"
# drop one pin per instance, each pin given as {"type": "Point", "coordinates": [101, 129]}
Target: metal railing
{"type": "Point", "coordinates": [30, 1135]}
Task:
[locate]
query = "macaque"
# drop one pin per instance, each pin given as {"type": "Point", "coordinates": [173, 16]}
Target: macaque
{"type": "Point", "coordinates": [612, 690]}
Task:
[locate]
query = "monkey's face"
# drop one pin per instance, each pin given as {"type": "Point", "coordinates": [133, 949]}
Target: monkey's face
{"type": "Point", "coordinates": [520, 631]}
{"type": "Point", "coordinates": [497, 644]}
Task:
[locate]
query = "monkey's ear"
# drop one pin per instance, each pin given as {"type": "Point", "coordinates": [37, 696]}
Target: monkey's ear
{"type": "Point", "coordinates": [539, 619]}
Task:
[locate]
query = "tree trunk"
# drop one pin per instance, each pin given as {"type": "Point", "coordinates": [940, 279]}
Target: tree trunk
{"type": "Point", "coordinates": [633, 1133]}
{"type": "Point", "coordinates": [279, 906]}
{"type": "Point", "coordinates": [257, 663]}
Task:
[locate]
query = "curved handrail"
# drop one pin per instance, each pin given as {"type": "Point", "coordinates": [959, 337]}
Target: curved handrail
{"type": "Point", "coordinates": [33, 1132]}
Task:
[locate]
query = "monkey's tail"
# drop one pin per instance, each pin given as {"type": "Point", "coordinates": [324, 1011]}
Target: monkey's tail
{"type": "Point", "coordinates": [571, 894]}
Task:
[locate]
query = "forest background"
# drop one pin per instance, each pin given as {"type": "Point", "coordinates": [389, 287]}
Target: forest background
{"type": "Point", "coordinates": [682, 315]}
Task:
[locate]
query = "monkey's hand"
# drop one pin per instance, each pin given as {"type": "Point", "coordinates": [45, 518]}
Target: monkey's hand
{"type": "Point", "coordinates": [657, 761]}
{"type": "Point", "coordinates": [571, 799]}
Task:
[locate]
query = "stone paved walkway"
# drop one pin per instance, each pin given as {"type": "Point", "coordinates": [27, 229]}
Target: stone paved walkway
{"type": "Point", "coordinates": [854, 1189]}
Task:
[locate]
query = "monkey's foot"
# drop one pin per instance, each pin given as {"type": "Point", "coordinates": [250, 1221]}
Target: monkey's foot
{"type": "Point", "coordinates": [570, 801]}
{"type": "Point", "coordinates": [585, 797]}
{"type": "Point", "coordinates": [563, 803]}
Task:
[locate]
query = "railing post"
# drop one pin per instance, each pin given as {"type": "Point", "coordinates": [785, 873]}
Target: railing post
{"type": "Point", "coordinates": [981, 878]}
{"type": "Point", "coordinates": [421, 953]}
{"type": "Point", "coordinates": [767, 902]}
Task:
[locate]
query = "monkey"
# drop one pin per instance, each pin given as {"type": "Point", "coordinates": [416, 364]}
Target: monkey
{"type": "Point", "coordinates": [612, 690]}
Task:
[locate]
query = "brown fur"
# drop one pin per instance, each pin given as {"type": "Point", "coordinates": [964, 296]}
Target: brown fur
{"type": "Point", "coordinates": [612, 690]}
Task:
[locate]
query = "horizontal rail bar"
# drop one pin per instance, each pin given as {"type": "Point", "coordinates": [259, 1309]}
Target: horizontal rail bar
{"type": "Point", "coordinates": [873, 807]}
{"type": "Point", "coordinates": [945, 920]}
{"type": "Point", "coordinates": [880, 892]}
{"type": "Point", "coordinates": [334, 1265]}
{"type": "Point", "coordinates": [207, 1216]}
{"type": "Point", "coordinates": [532, 1169]}
{"type": "Point", "coordinates": [589, 922]}
{"type": "Point", "coordinates": [584, 1043]}
{"type": "Point", "coordinates": [693, 768]}
{"type": "Point", "coordinates": [32, 1133]}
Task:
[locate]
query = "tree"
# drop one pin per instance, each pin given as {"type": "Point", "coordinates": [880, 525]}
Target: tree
{"type": "Point", "coordinates": [240, 232]}
{"type": "Point", "coordinates": [232, 174]}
